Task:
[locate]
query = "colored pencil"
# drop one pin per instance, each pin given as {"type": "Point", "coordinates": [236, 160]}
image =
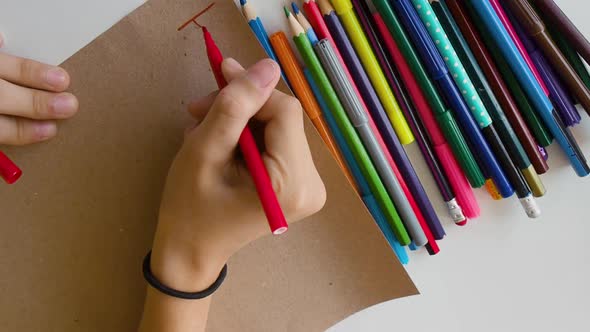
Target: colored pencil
{"type": "Point", "coordinates": [499, 87]}
{"type": "Point", "coordinates": [8, 170]}
{"type": "Point", "coordinates": [249, 149]}
{"type": "Point", "coordinates": [421, 89]}
{"type": "Point", "coordinates": [518, 42]}
{"type": "Point", "coordinates": [350, 22]}
{"type": "Point", "coordinates": [505, 130]}
{"type": "Point", "coordinates": [383, 126]}
{"type": "Point", "coordinates": [361, 184]}
{"type": "Point", "coordinates": [535, 28]}
{"type": "Point", "coordinates": [256, 25]}
{"type": "Point", "coordinates": [488, 18]}
{"type": "Point", "coordinates": [558, 94]}
{"type": "Point", "coordinates": [304, 23]}
{"type": "Point", "coordinates": [352, 140]}
{"type": "Point", "coordinates": [408, 111]}
{"type": "Point", "coordinates": [360, 121]}
{"type": "Point", "coordinates": [303, 92]}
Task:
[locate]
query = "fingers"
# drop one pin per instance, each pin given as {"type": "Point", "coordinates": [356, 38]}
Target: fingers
{"type": "Point", "coordinates": [284, 134]}
{"type": "Point", "coordinates": [35, 104]}
{"type": "Point", "coordinates": [288, 157]}
{"type": "Point", "coordinates": [20, 131]}
{"type": "Point", "coordinates": [200, 107]}
{"type": "Point", "coordinates": [246, 93]}
{"type": "Point", "coordinates": [33, 74]}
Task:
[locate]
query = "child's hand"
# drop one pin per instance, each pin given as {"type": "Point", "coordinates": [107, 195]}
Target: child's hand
{"type": "Point", "coordinates": [32, 97]}
{"type": "Point", "coordinates": [210, 208]}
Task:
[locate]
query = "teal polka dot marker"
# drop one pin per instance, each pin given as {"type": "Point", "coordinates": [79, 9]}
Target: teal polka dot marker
{"type": "Point", "coordinates": [437, 33]}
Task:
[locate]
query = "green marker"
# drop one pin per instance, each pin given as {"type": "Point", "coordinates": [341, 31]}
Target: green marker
{"type": "Point", "coordinates": [352, 139]}
{"type": "Point", "coordinates": [443, 115]}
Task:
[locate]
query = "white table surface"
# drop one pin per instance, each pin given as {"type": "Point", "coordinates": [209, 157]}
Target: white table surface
{"type": "Point", "coordinates": [503, 272]}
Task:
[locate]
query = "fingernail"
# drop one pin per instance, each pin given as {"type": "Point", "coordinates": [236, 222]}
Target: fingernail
{"type": "Point", "coordinates": [45, 131]}
{"type": "Point", "coordinates": [263, 73]}
{"type": "Point", "coordinates": [56, 77]}
{"type": "Point", "coordinates": [64, 105]}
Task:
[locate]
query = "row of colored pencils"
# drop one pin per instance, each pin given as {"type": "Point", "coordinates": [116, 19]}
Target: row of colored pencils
{"type": "Point", "coordinates": [482, 86]}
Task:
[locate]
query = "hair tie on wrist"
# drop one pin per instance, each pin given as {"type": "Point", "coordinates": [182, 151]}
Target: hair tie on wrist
{"type": "Point", "coordinates": [156, 284]}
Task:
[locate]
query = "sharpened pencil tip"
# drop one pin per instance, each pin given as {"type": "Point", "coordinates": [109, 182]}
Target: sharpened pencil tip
{"type": "Point", "coordinates": [295, 8]}
{"type": "Point", "coordinates": [243, 2]}
{"type": "Point", "coordinates": [287, 12]}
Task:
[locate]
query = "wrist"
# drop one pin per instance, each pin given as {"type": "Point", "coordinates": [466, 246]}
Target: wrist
{"type": "Point", "coordinates": [183, 265]}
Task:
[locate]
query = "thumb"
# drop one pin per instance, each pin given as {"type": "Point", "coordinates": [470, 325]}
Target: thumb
{"type": "Point", "coordinates": [246, 93]}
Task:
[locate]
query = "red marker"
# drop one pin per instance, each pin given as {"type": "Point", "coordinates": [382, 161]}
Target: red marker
{"type": "Point", "coordinates": [8, 170]}
{"type": "Point", "coordinates": [268, 198]}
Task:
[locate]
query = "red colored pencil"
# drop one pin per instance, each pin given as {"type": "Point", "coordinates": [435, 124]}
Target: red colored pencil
{"type": "Point", "coordinates": [268, 198]}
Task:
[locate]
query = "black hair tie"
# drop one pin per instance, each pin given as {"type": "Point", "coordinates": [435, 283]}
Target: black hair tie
{"type": "Point", "coordinates": [155, 283]}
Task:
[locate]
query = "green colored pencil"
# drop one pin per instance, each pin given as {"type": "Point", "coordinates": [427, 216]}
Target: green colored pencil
{"type": "Point", "coordinates": [352, 139]}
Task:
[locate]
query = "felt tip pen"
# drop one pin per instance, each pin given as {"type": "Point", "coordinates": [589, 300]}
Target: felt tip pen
{"type": "Point", "coordinates": [352, 140]}
{"type": "Point", "coordinates": [505, 130]}
{"type": "Point", "coordinates": [535, 28]}
{"type": "Point", "coordinates": [252, 157]}
{"type": "Point", "coordinates": [444, 175]}
{"type": "Point", "coordinates": [441, 75]}
{"type": "Point", "coordinates": [498, 85]}
{"type": "Point", "coordinates": [360, 183]}
{"type": "Point", "coordinates": [302, 90]}
{"type": "Point", "coordinates": [558, 94]}
{"type": "Point", "coordinates": [8, 170]}
{"type": "Point", "coordinates": [381, 125]}
{"type": "Point", "coordinates": [376, 109]}
{"type": "Point", "coordinates": [360, 121]}
{"type": "Point", "coordinates": [496, 31]}
{"type": "Point", "coordinates": [504, 147]}
{"type": "Point", "coordinates": [344, 9]}
{"type": "Point", "coordinates": [437, 109]}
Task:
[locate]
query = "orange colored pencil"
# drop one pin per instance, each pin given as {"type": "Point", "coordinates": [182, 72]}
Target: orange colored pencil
{"type": "Point", "coordinates": [302, 90]}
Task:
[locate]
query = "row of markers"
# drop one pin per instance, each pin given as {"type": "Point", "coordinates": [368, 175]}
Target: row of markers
{"type": "Point", "coordinates": [483, 86]}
